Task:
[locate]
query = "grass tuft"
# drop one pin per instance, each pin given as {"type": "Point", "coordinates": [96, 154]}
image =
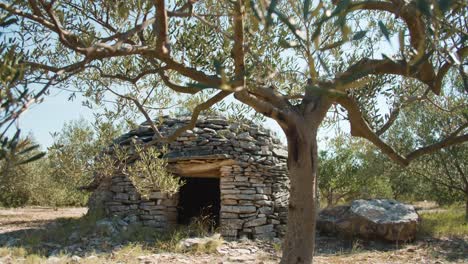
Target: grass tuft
{"type": "Point", "coordinates": [449, 222]}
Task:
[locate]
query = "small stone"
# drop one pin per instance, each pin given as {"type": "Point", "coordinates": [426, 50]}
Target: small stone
{"type": "Point", "coordinates": [238, 209]}
{"type": "Point", "coordinates": [75, 258]}
{"type": "Point", "coordinates": [280, 152]}
{"type": "Point", "coordinates": [264, 229]}
{"type": "Point", "coordinates": [256, 222]}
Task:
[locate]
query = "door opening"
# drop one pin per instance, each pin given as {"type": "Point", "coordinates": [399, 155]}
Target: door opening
{"type": "Point", "coordinates": [199, 198]}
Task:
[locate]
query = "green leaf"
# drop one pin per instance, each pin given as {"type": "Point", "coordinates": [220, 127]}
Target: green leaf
{"type": "Point", "coordinates": [342, 5]}
{"type": "Point", "coordinates": [359, 35]}
{"type": "Point", "coordinates": [384, 30]}
{"type": "Point", "coordinates": [271, 10]}
{"type": "Point", "coordinates": [33, 158]}
{"type": "Point", "coordinates": [333, 45]}
{"type": "Point", "coordinates": [424, 7]}
{"type": "Point", "coordinates": [444, 5]}
{"type": "Point", "coordinates": [28, 149]}
{"type": "Point", "coordinates": [401, 39]}
{"type": "Point", "coordinates": [324, 65]}
{"type": "Point", "coordinates": [306, 8]}
{"type": "Point", "coordinates": [14, 141]}
{"type": "Point", "coordinates": [8, 22]}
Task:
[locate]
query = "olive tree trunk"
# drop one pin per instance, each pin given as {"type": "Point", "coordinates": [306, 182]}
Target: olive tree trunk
{"type": "Point", "coordinates": [299, 242]}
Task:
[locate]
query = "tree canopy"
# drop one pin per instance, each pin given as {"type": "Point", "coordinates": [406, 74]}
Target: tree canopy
{"type": "Point", "coordinates": [296, 62]}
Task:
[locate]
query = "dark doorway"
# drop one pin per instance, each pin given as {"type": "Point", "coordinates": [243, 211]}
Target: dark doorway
{"type": "Point", "coordinates": [199, 197]}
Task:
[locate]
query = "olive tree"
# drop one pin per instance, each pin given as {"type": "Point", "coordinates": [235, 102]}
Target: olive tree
{"type": "Point", "coordinates": [348, 170]}
{"type": "Point", "coordinates": [14, 100]}
{"type": "Point", "coordinates": [442, 174]}
{"type": "Point", "coordinates": [291, 61]}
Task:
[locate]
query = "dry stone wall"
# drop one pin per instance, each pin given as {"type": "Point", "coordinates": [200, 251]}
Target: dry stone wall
{"type": "Point", "coordinates": [254, 187]}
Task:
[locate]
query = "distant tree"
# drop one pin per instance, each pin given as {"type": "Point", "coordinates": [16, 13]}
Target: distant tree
{"type": "Point", "coordinates": [292, 61]}
{"type": "Point", "coordinates": [447, 172]}
{"type": "Point", "coordinates": [15, 171]}
{"type": "Point", "coordinates": [72, 156]}
{"type": "Point", "coordinates": [348, 171]}
{"type": "Point", "coordinates": [443, 173]}
{"type": "Point", "coordinates": [14, 99]}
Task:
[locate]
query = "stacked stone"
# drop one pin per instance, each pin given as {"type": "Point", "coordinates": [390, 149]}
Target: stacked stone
{"type": "Point", "coordinates": [125, 199]}
{"type": "Point", "coordinates": [159, 211]}
{"type": "Point", "coordinates": [246, 204]}
{"type": "Point", "coordinates": [280, 197]}
{"type": "Point", "coordinates": [254, 191]}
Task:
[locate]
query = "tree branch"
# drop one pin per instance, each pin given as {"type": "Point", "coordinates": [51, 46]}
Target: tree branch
{"type": "Point", "coordinates": [462, 53]}
{"type": "Point", "coordinates": [196, 112]}
{"type": "Point", "coordinates": [162, 42]}
{"type": "Point", "coordinates": [423, 72]}
{"type": "Point", "coordinates": [448, 141]}
{"type": "Point", "coordinates": [141, 108]}
{"type": "Point", "coordinates": [178, 88]}
{"type": "Point", "coordinates": [265, 108]}
{"type": "Point", "coordinates": [360, 128]}
{"type": "Point", "coordinates": [238, 48]}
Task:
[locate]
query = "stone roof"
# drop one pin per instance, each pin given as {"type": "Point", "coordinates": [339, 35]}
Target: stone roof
{"type": "Point", "coordinates": [213, 137]}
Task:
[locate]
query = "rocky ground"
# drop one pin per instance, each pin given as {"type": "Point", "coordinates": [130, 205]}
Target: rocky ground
{"type": "Point", "coordinates": [41, 235]}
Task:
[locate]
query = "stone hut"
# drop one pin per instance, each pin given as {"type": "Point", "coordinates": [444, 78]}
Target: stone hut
{"type": "Point", "coordinates": [235, 171]}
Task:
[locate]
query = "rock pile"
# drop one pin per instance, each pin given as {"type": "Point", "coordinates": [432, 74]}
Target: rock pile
{"type": "Point", "coordinates": [248, 159]}
{"type": "Point", "coordinates": [379, 218]}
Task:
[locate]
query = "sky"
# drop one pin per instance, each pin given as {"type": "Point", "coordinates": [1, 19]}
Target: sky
{"type": "Point", "coordinates": [43, 119]}
{"type": "Point", "coordinates": [49, 116]}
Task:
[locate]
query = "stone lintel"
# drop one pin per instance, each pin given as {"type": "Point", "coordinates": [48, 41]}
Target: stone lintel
{"type": "Point", "coordinates": [208, 169]}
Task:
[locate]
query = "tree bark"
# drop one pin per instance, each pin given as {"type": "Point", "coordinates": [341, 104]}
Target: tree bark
{"type": "Point", "coordinates": [330, 199]}
{"type": "Point", "coordinates": [299, 243]}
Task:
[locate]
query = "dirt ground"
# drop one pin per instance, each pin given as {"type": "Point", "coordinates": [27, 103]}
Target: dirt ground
{"type": "Point", "coordinates": [23, 221]}
{"type": "Point", "coordinates": [16, 219]}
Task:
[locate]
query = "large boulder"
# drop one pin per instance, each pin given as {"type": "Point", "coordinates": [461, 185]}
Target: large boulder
{"type": "Point", "coordinates": [378, 218]}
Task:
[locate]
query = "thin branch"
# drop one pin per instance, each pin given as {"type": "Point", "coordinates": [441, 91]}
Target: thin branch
{"type": "Point", "coordinates": [448, 141]}
{"type": "Point", "coordinates": [178, 88]}
{"type": "Point", "coordinates": [142, 109]}
{"type": "Point", "coordinates": [196, 112]}
{"type": "Point", "coordinates": [462, 53]}
{"type": "Point", "coordinates": [423, 72]}
{"type": "Point", "coordinates": [214, 27]}
{"type": "Point", "coordinates": [435, 180]}
{"type": "Point", "coordinates": [391, 120]}
{"type": "Point", "coordinates": [126, 35]}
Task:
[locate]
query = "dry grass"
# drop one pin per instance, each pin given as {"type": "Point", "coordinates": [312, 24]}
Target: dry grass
{"type": "Point", "coordinates": [444, 223]}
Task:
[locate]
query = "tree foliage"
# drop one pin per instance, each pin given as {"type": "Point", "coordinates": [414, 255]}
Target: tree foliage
{"type": "Point", "coordinates": [348, 170]}
{"type": "Point", "coordinates": [15, 174]}
{"type": "Point", "coordinates": [55, 180]}
{"type": "Point", "coordinates": [292, 61]}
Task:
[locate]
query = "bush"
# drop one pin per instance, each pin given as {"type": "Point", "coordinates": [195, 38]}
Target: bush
{"type": "Point", "coordinates": [55, 179]}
